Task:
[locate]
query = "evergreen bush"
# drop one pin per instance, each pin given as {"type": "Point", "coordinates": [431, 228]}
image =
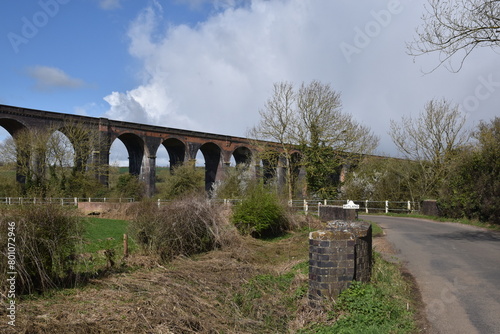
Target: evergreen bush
{"type": "Point", "coordinates": [260, 213]}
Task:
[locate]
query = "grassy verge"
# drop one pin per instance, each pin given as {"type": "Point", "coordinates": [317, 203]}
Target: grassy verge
{"type": "Point", "coordinates": [376, 230]}
{"type": "Point", "coordinates": [464, 221]}
{"type": "Point", "coordinates": [382, 306]}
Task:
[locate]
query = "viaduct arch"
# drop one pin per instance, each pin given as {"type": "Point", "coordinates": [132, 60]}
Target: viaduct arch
{"type": "Point", "coordinates": [142, 143]}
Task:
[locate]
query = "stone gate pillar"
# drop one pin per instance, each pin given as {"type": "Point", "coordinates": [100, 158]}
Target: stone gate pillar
{"type": "Point", "coordinates": [337, 256]}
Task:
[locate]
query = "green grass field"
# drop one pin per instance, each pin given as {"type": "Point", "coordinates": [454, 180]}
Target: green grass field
{"type": "Point", "coordinates": [105, 234]}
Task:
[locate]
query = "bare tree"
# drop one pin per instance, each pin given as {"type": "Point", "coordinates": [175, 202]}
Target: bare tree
{"type": "Point", "coordinates": [312, 119]}
{"type": "Point", "coordinates": [52, 159]}
{"type": "Point", "coordinates": [323, 122]}
{"type": "Point", "coordinates": [277, 124]}
{"type": "Point", "coordinates": [457, 27]}
{"type": "Point", "coordinates": [430, 140]}
{"type": "Point", "coordinates": [329, 138]}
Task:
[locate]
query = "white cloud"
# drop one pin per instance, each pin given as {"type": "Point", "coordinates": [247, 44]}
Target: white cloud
{"type": "Point", "coordinates": [50, 78]}
{"type": "Point", "coordinates": [109, 4]}
{"type": "Point", "coordinates": [216, 4]}
{"type": "Point", "coordinates": [216, 75]}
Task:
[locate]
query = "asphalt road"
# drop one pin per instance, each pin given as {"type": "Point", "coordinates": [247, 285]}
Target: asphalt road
{"type": "Point", "coordinates": [457, 268]}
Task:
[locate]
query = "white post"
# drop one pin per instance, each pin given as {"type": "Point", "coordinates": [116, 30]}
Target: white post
{"type": "Point", "coordinates": [366, 206]}
{"type": "Point", "coordinates": [386, 206]}
{"type": "Point", "coordinates": [159, 203]}
{"type": "Point", "coordinates": [9, 201]}
{"type": "Point", "coordinates": [409, 206]}
{"type": "Point", "coordinates": [306, 207]}
{"type": "Point", "coordinates": [325, 201]}
{"type": "Point", "coordinates": [319, 205]}
{"type": "Point", "coordinates": [76, 201]}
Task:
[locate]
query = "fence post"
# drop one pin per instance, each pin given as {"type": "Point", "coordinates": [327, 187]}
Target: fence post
{"type": "Point", "coordinates": [409, 206]}
{"type": "Point", "coordinates": [366, 206]}
{"type": "Point", "coordinates": [125, 245]}
{"type": "Point", "coordinates": [319, 205]}
{"type": "Point", "coordinates": [159, 203]}
{"type": "Point", "coordinates": [305, 206]}
{"type": "Point", "coordinates": [325, 201]}
{"type": "Point", "coordinates": [386, 206]}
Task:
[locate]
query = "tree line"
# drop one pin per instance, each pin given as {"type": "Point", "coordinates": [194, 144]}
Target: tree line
{"type": "Point", "coordinates": [440, 157]}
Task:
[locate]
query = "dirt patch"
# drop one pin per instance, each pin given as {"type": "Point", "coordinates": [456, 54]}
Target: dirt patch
{"type": "Point", "coordinates": [384, 247]}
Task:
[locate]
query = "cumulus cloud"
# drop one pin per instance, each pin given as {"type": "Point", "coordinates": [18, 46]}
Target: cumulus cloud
{"type": "Point", "coordinates": [216, 75]}
{"type": "Point", "coordinates": [51, 78]}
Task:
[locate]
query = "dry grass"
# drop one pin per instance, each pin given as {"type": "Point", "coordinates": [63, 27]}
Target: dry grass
{"type": "Point", "coordinates": [187, 295]}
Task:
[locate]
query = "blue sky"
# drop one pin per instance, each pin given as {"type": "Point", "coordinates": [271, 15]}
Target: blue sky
{"type": "Point", "coordinates": [210, 65]}
{"type": "Point", "coordinates": [86, 41]}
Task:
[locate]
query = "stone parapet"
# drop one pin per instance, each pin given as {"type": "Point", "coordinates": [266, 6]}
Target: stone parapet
{"type": "Point", "coordinates": [332, 212]}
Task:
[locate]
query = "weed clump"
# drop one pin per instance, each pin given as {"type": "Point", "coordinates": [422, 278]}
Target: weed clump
{"type": "Point", "coordinates": [186, 226]}
{"type": "Point", "coordinates": [44, 241]}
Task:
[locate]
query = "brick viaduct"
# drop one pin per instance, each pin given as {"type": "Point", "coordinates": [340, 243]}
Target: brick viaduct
{"type": "Point", "coordinates": [142, 143]}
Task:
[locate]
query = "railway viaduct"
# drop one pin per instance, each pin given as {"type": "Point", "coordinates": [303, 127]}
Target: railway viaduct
{"type": "Point", "coordinates": [143, 142]}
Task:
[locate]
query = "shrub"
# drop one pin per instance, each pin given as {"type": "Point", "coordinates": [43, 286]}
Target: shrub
{"type": "Point", "coordinates": [234, 184]}
{"type": "Point", "coordinates": [183, 227]}
{"type": "Point", "coordinates": [130, 186]}
{"type": "Point", "coordinates": [184, 180]}
{"type": "Point", "coordinates": [260, 213]}
{"type": "Point", "coordinates": [46, 239]}
{"type": "Point", "coordinates": [472, 187]}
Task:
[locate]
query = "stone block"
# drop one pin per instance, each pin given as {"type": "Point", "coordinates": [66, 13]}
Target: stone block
{"type": "Point", "coordinates": [332, 212]}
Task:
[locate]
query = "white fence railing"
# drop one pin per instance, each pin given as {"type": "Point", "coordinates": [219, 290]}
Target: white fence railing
{"type": "Point", "coordinates": [63, 201]}
{"type": "Point", "coordinates": [306, 206]}
{"type": "Point", "coordinates": [365, 206]}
